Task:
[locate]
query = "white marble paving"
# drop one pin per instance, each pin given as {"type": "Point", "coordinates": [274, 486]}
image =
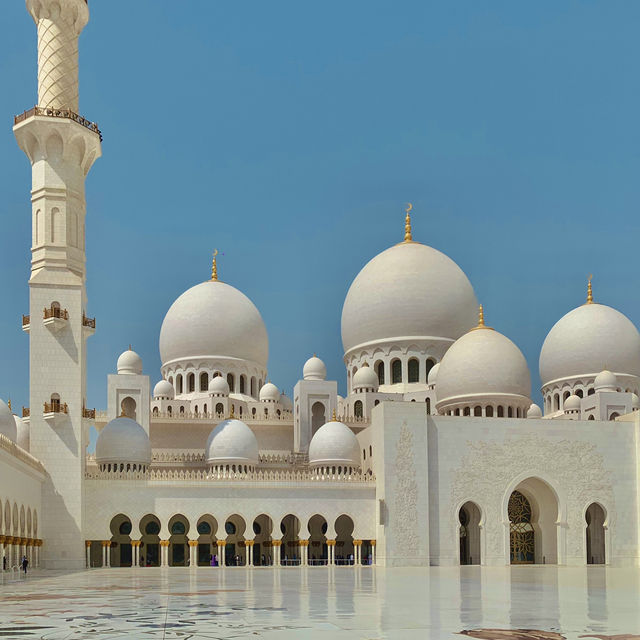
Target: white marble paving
{"type": "Point", "coordinates": [337, 603]}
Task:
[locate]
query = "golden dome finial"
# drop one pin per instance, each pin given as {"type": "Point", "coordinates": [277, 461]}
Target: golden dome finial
{"type": "Point", "coordinates": [231, 413]}
{"type": "Point", "coordinates": [9, 404]}
{"type": "Point", "coordinates": [214, 267]}
{"type": "Point", "coordinates": [589, 290]}
{"type": "Point", "coordinates": [333, 417]}
{"type": "Point", "coordinates": [407, 224]}
{"type": "Point", "coordinates": [481, 316]}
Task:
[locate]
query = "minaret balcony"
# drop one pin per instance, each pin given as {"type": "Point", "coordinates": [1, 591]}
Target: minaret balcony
{"type": "Point", "coordinates": [88, 413]}
{"type": "Point", "coordinates": [26, 415]}
{"type": "Point", "coordinates": [26, 323]}
{"type": "Point", "coordinates": [55, 410]}
{"type": "Point", "coordinates": [88, 325]}
{"type": "Point", "coordinates": [55, 318]}
{"type": "Point", "coordinates": [57, 113]}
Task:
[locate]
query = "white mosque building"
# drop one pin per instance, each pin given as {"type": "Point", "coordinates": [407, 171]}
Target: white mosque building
{"type": "Point", "coordinates": [437, 454]}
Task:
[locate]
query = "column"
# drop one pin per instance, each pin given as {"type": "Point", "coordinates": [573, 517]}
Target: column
{"type": "Point", "coordinates": [331, 546]}
{"type": "Point", "coordinates": [164, 553]}
{"type": "Point", "coordinates": [193, 553]}
{"type": "Point", "coordinates": [249, 546]}
{"type": "Point", "coordinates": [108, 552]}
{"type": "Point", "coordinates": [277, 546]}
{"type": "Point", "coordinates": [2, 541]}
{"type": "Point", "coordinates": [357, 548]}
{"type": "Point", "coordinates": [221, 559]}
{"type": "Point", "coordinates": [38, 545]}
{"type": "Point", "coordinates": [373, 551]}
{"type": "Point", "coordinates": [104, 553]}
{"type": "Point", "coordinates": [87, 544]}
{"type": "Point", "coordinates": [23, 549]}
{"type": "Point", "coordinates": [135, 547]}
{"type": "Point", "coordinates": [304, 553]}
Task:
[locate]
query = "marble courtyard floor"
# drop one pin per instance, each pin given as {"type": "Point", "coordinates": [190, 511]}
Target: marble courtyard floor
{"type": "Point", "coordinates": [544, 603]}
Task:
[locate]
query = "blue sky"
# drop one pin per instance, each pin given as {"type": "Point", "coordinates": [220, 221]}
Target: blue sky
{"type": "Point", "coordinates": [289, 135]}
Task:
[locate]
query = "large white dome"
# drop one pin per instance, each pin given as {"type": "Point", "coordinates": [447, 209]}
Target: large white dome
{"type": "Point", "coordinates": [123, 440]}
{"type": "Point", "coordinates": [587, 340]}
{"type": "Point", "coordinates": [334, 444]}
{"type": "Point", "coordinates": [213, 319]}
{"type": "Point", "coordinates": [483, 363]}
{"type": "Point", "coordinates": [232, 442]}
{"type": "Point", "coordinates": [409, 290]}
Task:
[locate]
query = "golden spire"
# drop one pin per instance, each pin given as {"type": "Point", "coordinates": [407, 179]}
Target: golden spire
{"type": "Point", "coordinates": [333, 417]}
{"type": "Point", "coordinates": [589, 290]}
{"type": "Point", "coordinates": [231, 414]}
{"type": "Point", "coordinates": [481, 324]}
{"type": "Point", "coordinates": [214, 267]}
{"type": "Point", "coordinates": [407, 224]}
{"type": "Point", "coordinates": [9, 404]}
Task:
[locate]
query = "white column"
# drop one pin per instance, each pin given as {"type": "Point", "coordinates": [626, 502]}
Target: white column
{"type": "Point", "coordinates": [88, 545]}
{"type": "Point", "coordinates": [37, 556]}
{"type": "Point", "coordinates": [193, 545]}
{"type": "Point", "coordinates": [1, 552]}
{"type": "Point", "coordinates": [108, 553]}
{"type": "Point", "coordinates": [221, 558]}
{"type": "Point", "coordinates": [373, 552]}
{"type": "Point", "coordinates": [249, 548]}
{"type": "Point", "coordinates": [104, 553]}
{"type": "Point", "coordinates": [164, 553]}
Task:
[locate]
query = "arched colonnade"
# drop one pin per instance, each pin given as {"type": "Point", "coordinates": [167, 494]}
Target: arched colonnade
{"type": "Point", "coordinates": [234, 540]}
{"type": "Point", "coordinates": [18, 534]}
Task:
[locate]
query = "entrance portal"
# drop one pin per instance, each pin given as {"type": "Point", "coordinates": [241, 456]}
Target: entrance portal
{"type": "Point", "coordinates": [595, 518]}
{"type": "Point", "coordinates": [469, 517]}
{"type": "Point", "coordinates": [521, 533]}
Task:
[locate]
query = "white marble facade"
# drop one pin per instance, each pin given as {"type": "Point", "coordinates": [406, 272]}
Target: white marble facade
{"type": "Point", "coordinates": [436, 456]}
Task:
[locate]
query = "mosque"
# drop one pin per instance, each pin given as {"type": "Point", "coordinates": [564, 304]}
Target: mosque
{"type": "Point", "coordinates": [436, 456]}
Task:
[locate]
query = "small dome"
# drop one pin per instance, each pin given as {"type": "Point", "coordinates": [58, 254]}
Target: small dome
{"type": "Point", "coordinates": [232, 442]}
{"type": "Point", "coordinates": [481, 364]}
{"type": "Point", "coordinates": [7, 423]}
{"type": "Point", "coordinates": [129, 362]}
{"type": "Point", "coordinates": [314, 369]}
{"type": "Point", "coordinates": [269, 393]}
{"type": "Point", "coordinates": [334, 444]}
{"type": "Point", "coordinates": [605, 381]}
{"type": "Point", "coordinates": [586, 340]}
{"type": "Point", "coordinates": [123, 440]}
{"type": "Point", "coordinates": [365, 378]}
{"type": "Point", "coordinates": [433, 374]}
{"type": "Point", "coordinates": [635, 401]}
{"type": "Point", "coordinates": [164, 389]}
{"type": "Point", "coordinates": [24, 433]}
{"type": "Point", "coordinates": [572, 403]}
{"type": "Point", "coordinates": [219, 386]}
{"type": "Point", "coordinates": [534, 411]}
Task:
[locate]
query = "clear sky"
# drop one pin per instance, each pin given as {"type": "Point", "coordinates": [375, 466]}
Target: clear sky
{"type": "Point", "coordinates": [289, 135]}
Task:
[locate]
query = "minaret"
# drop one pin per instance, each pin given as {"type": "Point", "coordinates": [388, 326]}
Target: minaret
{"type": "Point", "coordinates": [61, 146]}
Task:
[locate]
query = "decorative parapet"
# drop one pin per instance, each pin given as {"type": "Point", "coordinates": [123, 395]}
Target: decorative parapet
{"type": "Point", "coordinates": [56, 407]}
{"type": "Point", "coordinates": [58, 113]}
{"type": "Point", "coordinates": [179, 456]}
{"type": "Point", "coordinates": [56, 312]}
{"type": "Point", "coordinates": [353, 420]}
{"type": "Point", "coordinates": [88, 413]}
{"type": "Point", "coordinates": [26, 412]}
{"type": "Point", "coordinates": [205, 476]}
{"type": "Point", "coordinates": [88, 322]}
{"type": "Point", "coordinates": [11, 447]}
{"type": "Point", "coordinates": [176, 416]}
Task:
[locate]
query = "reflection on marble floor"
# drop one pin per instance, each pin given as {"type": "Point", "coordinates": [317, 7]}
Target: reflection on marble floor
{"type": "Point", "coordinates": [519, 603]}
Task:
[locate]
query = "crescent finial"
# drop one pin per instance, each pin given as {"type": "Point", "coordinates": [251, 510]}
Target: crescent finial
{"type": "Point", "coordinates": [214, 267]}
{"type": "Point", "coordinates": [407, 224]}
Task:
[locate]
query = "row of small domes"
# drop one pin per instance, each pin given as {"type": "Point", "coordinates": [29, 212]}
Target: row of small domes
{"type": "Point", "coordinates": [124, 441]}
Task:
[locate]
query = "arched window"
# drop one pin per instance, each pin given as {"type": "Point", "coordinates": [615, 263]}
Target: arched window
{"type": "Point", "coordinates": [510, 412]}
{"type": "Point", "coordinates": [467, 411]}
{"type": "Point", "coordinates": [591, 417]}
{"type": "Point", "coordinates": [489, 412]}
{"type": "Point", "coordinates": [169, 410]}
{"type": "Point", "coordinates": [590, 391]}
{"type": "Point", "coordinates": [243, 383]}
{"type": "Point", "coordinates": [521, 530]}
{"type": "Point", "coordinates": [565, 395]}
{"type": "Point", "coordinates": [379, 367]}
{"type": "Point", "coordinates": [556, 402]}
{"type": "Point", "coordinates": [396, 371]}
{"type": "Point", "coordinates": [204, 410]}
{"type": "Point", "coordinates": [595, 517]}
{"type": "Point", "coordinates": [414, 370]}
{"type": "Point", "coordinates": [191, 383]}
{"type": "Point", "coordinates": [579, 393]}
{"type": "Point", "coordinates": [430, 363]}
{"type": "Point", "coordinates": [155, 411]}
{"type": "Point", "coordinates": [253, 387]}
{"type": "Point", "coordinates": [231, 381]}
{"type": "Point", "coordinates": [477, 411]}
{"type": "Point", "coordinates": [181, 411]}
{"type": "Point", "coordinates": [204, 381]}
{"type": "Point", "coordinates": [128, 407]}
{"type": "Point", "coordinates": [429, 406]}
{"type": "Point", "coordinates": [500, 412]}
{"type": "Point", "coordinates": [219, 408]}
{"type": "Point", "coordinates": [376, 403]}
{"type": "Point", "coordinates": [357, 409]}
{"type": "Point", "coordinates": [614, 415]}
{"type": "Point", "coordinates": [179, 383]}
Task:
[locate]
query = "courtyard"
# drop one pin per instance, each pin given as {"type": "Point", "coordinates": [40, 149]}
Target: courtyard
{"type": "Point", "coordinates": [345, 602]}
